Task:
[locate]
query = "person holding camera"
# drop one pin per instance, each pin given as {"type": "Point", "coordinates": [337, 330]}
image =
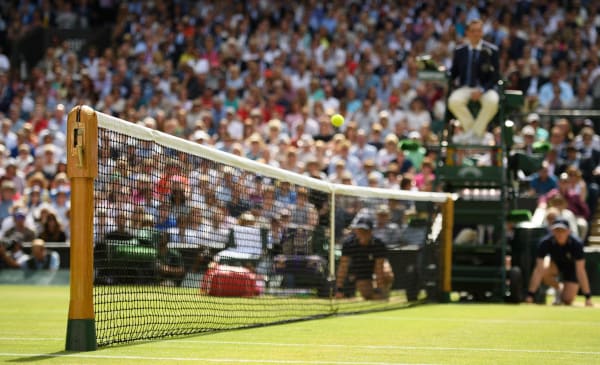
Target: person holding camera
{"type": "Point", "coordinates": [12, 255]}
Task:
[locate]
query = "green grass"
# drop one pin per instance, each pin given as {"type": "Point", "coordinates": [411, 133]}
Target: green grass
{"type": "Point", "coordinates": [33, 324]}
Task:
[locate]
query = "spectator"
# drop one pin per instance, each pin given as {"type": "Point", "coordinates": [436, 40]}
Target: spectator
{"type": "Point", "coordinates": [135, 79]}
{"type": "Point", "coordinates": [369, 171]}
{"type": "Point", "coordinates": [304, 213]}
{"type": "Point", "coordinates": [555, 90]}
{"type": "Point", "coordinates": [122, 230]}
{"type": "Point", "coordinates": [533, 120]}
{"type": "Point", "coordinates": [417, 115]}
{"type": "Point", "coordinates": [352, 163]}
{"type": "Point", "coordinates": [542, 181]}
{"type": "Point", "coordinates": [41, 258]}
{"type": "Point", "coordinates": [20, 227]}
{"type": "Point", "coordinates": [12, 173]}
{"type": "Point", "coordinates": [388, 153]}
{"type": "Point", "coordinates": [426, 175]}
{"type": "Point", "coordinates": [184, 235]}
{"type": "Point", "coordinates": [7, 196]}
{"type": "Point", "coordinates": [12, 255]}
{"type": "Point", "coordinates": [387, 231]}
{"type": "Point", "coordinates": [52, 230]}
{"type": "Point", "coordinates": [361, 149]}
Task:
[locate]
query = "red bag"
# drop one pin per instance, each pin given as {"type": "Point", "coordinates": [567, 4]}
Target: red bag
{"type": "Point", "coordinates": [230, 281]}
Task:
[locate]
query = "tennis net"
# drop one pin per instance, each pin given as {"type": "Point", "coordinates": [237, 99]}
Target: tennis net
{"type": "Point", "coordinates": [189, 239]}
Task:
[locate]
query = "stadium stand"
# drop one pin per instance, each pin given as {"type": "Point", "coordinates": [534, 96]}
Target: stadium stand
{"type": "Point", "coordinates": [261, 80]}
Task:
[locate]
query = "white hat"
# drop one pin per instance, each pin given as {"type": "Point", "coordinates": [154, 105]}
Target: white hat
{"type": "Point", "coordinates": [414, 135]}
{"type": "Point", "coordinates": [199, 135]}
{"type": "Point", "coordinates": [533, 117]}
{"type": "Point", "coordinates": [528, 131]}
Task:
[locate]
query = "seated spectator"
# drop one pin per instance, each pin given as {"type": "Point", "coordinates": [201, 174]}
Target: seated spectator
{"type": "Point", "coordinates": [121, 231]}
{"type": "Point", "coordinates": [41, 258]}
{"type": "Point", "coordinates": [24, 158]}
{"type": "Point", "coordinates": [61, 203]}
{"type": "Point", "coordinates": [20, 226]}
{"type": "Point", "coordinates": [575, 184]}
{"type": "Point", "coordinates": [527, 140]}
{"type": "Point", "coordinates": [587, 141]}
{"type": "Point", "coordinates": [102, 225]}
{"type": "Point", "coordinates": [555, 206]}
{"type": "Point", "coordinates": [239, 202]}
{"type": "Point", "coordinates": [183, 235]}
{"type": "Point", "coordinates": [369, 167]}
{"type": "Point", "coordinates": [247, 242]}
{"type": "Point", "coordinates": [165, 219]}
{"type": "Point", "coordinates": [285, 194]}
{"type": "Point", "coordinates": [52, 230]}
{"type": "Point", "coordinates": [542, 182]}
{"type": "Point", "coordinates": [7, 198]}
{"type": "Point", "coordinates": [402, 163]}
{"type": "Point", "coordinates": [387, 231]}
{"type": "Point", "coordinates": [11, 173]}
{"type": "Point", "coordinates": [12, 255]}
{"type": "Point", "coordinates": [388, 153]}
{"type": "Point", "coordinates": [392, 178]}
{"type": "Point", "coordinates": [339, 173]}
{"type": "Point", "coordinates": [34, 197]}
{"type": "Point", "coordinates": [572, 158]}
{"type": "Point", "coordinates": [426, 175]}
{"type": "Point", "coordinates": [312, 169]}
{"type": "Point", "coordinates": [362, 149]}
{"type": "Point", "coordinates": [303, 212]}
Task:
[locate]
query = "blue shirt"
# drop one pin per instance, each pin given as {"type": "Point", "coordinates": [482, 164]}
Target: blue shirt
{"type": "Point", "coordinates": [540, 186]}
{"type": "Point", "coordinates": [51, 262]}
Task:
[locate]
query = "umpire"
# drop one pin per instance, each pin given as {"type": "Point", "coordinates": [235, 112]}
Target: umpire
{"type": "Point", "coordinates": [566, 264]}
{"type": "Point", "coordinates": [364, 264]}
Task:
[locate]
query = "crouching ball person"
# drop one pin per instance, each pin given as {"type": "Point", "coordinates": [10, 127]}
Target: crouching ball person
{"type": "Point", "coordinates": [364, 264]}
{"type": "Point", "coordinates": [565, 271]}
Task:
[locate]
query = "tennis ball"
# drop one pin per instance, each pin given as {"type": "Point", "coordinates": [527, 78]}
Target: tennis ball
{"type": "Point", "coordinates": [337, 120]}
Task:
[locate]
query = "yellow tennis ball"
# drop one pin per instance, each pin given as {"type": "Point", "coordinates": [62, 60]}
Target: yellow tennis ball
{"type": "Point", "coordinates": [337, 120]}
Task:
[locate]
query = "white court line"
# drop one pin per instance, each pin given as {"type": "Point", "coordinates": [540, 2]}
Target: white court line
{"type": "Point", "coordinates": [31, 339]}
{"type": "Point", "coordinates": [342, 346]}
{"type": "Point", "coordinates": [485, 321]}
{"type": "Point", "coordinates": [394, 347]}
{"type": "Point", "coordinates": [197, 359]}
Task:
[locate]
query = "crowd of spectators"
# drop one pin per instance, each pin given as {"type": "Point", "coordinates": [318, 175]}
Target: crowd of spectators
{"type": "Point", "coordinates": [261, 79]}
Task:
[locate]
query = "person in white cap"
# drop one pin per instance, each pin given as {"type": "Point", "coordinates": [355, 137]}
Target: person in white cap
{"type": "Point", "coordinates": [533, 120]}
{"type": "Point", "coordinates": [565, 271]}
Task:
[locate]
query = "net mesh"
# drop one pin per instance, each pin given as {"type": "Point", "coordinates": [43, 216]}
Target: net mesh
{"type": "Point", "coordinates": [188, 240]}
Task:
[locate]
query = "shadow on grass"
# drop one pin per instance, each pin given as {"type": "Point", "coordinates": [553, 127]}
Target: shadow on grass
{"type": "Point", "coordinates": [43, 357]}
